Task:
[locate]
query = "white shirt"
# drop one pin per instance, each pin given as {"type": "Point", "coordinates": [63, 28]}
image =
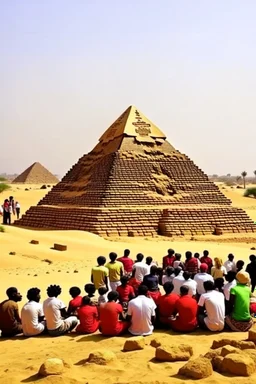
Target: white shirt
{"type": "Point", "coordinates": [177, 283]}
{"type": "Point", "coordinates": [227, 288]}
{"type": "Point", "coordinates": [176, 263]}
{"type": "Point", "coordinates": [167, 278]}
{"type": "Point", "coordinates": [215, 308]}
{"type": "Point", "coordinates": [191, 284]}
{"type": "Point", "coordinates": [200, 278]}
{"type": "Point", "coordinates": [230, 266]}
{"type": "Point", "coordinates": [52, 307]}
{"type": "Point", "coordinates": [141, 270]}
{"type": "Point", "coordinates": [29, 318]}
{"type": "Point", "coordinates": [141, 309]}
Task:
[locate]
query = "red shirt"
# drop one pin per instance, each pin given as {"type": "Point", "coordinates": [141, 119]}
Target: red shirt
{"type": "Point", "coordinates": [168, 261]}
{"type": "Point", "coordinates": [75, 303]}
{"type": "Point", "coordinates": [207, 260]}
{"type": "Point", "coordinates": [88, 316]}
{"type": "Point", "coordinates": [186, 307]}
{"type": "Point", "coordinates": [166, 306]}
{"type": "Point", "coordinates": [127, 263]}
{"type": "Point", "coordinates": [125, 293]}
{"type": "Point", "coordinates": [109, 318]}
{"type": "Point", "coordinates": [155, 295]}
{"type": "Point", "coordinates": [134, 283]}
{"type": "Point", "coordinates": [191, 265]}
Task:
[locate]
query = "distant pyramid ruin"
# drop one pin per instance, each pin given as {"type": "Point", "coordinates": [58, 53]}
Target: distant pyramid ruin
{"type": "Point", "coordinates": [134, 183]}
{"type": "Point", "coordinates": [36, 174]}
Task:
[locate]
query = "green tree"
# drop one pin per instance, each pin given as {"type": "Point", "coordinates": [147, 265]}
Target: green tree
{"type": "Point", "coordinates": [244, 174]}
{"type": "Point", "coordinates": [4, 187]}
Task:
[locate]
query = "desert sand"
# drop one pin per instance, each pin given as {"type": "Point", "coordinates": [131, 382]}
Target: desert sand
{"type": "Point", "coordinates": [21, 357]}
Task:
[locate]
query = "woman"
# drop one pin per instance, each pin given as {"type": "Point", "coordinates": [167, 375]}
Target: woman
{"type": "Point", "coordinates": [218, 270]}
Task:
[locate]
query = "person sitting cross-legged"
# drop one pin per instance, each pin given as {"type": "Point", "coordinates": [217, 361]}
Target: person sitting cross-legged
{"type": "Point", "coordinates": [151, 281]}
{"type": "Point", "coordinates": [201, 277]}
{"type": "Point", "coordinates": [110, 317]}
{"type": "Point", "coordinates": [10, 322]}
{"type": "Point", "coordinates": [125, 291]}
{"type": "Point", "coordinates": [88, 317]}
{"type": "Point", "coordinates": [186, 310]}
{"type": "Point", "coordinates": [166, 304]}
{"type": "Point", "coordinates": [190, 283]}
{"type": "Point", "coordinates": [32, 315]}
{"type": "Point", "coordinates": [76, 301]}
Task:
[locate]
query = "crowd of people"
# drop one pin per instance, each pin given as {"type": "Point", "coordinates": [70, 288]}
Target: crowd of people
{"type": "Point", "coordinates": [137, 296]}
{"type": "Point", "coordinates": [10, 207]}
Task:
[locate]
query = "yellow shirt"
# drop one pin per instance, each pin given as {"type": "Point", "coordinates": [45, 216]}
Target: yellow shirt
{"type": "Point", "coordinates": [114, 270]}
{"type": "Point", "coordinates": [99, 274]}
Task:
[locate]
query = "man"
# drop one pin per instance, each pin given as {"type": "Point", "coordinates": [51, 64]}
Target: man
{"type": "Point", "coordinates": [99, 274]}
{"type": "Point", "coordinates": [251, 269]}
{"type": "Point", "coordinates": [201, 277]}
{"type": "Point", "coordinates": [178, 280]}
{"type": "Point", "coordinates": [141, 313]}
{"type": "Point", "coordinates": [57, 321]}
{"type": "Point", "coordinates": [127, 262]}
{"type": "Point", "coordinates": [166, 304]}
{"type": "Point", "coordinates": [168, 260]}
{"type": "Point", "coordinates": [207, 260]}
{"type": "Point", "coordinates": [32, 315]}
{"type": "Point", "coordinates": [10, 322]}
{"type": "Point", "coordinates": [110, 313]}
{"type": "Point", "coordinates": [191, 264]}
{"type": "Point", "coordinates": [140, 269]}
{"type": "Point", "coordinates": [115, 270]}
{"type": "Point", "coordinates": [151, 281]}
{"type": "Point", "coordinates": [211, 309]}
{"type": "Point", "coordinates": [230, 265]}
{"type": "Point", "coordinates": [190, 283]}
{"type": "Point", "coordinates": [231, 283]}
{"type": "Point", "coordinates": [186, 308]}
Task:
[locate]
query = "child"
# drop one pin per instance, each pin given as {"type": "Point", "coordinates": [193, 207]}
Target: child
{"type": "Point", "coordinates": [125, 291]}
{"type": "Point", "coordinates": [90, 290]}
{"type": "Point", "coordinates": [88, 316]}
{"type": "Point", "coordinates": [17, 209]}
{"type": "Point", "coordinates": [75, 303]}
{"type": "Point", "coordinates": [133, 282]}
{"type": "Point", "coordinates": [103, 297]}
{"type": "Point", "coordinates": [169, 275]}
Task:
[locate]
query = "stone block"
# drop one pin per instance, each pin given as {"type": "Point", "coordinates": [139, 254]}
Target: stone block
{"type": "Point", "coordinates": [59, 247]}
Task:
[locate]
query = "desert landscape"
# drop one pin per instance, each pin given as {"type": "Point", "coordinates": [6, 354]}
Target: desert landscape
{"type": "Point", "coordinates": [39, 265]}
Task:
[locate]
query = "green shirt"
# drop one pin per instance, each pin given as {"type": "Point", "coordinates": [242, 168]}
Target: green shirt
{"type": "Point", "coordinates": [241, 311]}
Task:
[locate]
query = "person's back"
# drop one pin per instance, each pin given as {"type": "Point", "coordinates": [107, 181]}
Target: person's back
{"type": "Point", "coordinates": [186, 307]}
{"type": "Point", "coordinates": [230, 264]}
{"type": "Point", "coordinates": [251, 269]}
{"type": "Point", "coordinates": [191, 264]}
{"type": "Point", "coordinates": [88, 317]}
{"type": "Point", "coordinates": [10, 322]}
{"type": "Point", "coordinates": [140, 269]}
{"type": "Point", "coordinates": [241, 311]}
{"type": "Point", "coordinates": [76, 301]}
{"type": "Point", "coordinates": [151, 280]}
{"type": "Point", "coordinates": [110, 325]}
{"type": "Point", "coordinates": [201, 277]}
{"type": "Point", "coordinates": [231, 282]}
{"type": "Point", "coordinates": [125, 291]}
{"type": "Point", "coordinates": [190, 283]}
{"type": "Point", "coordinates": [214, 304]}
{"type": "Point", "coordinates": [115, 269]}
{"type": "Point", "coordinates": [177, 281]}
{"type": "Point", "coordinates": [166, 303]}
{"type": "Point", "coordinates": [32, 314]}
{"type": "Point", "coordinates": [127, 262]}
{"type": "Point", "coordinates": [206, 260]}
{"type": "Point", "coordinates": [169, 259]}
{"type": "Point", "coordinates": [99, 273]}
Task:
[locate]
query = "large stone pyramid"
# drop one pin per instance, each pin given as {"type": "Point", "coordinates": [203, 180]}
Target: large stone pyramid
{"type": "Point", "coordinates": [135, 183]}
{"type": "Point", "coordinates": [36, 174]}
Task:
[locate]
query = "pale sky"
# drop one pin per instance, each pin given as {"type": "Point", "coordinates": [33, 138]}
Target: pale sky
{"type": "Point", "coordinates": [68, 69]}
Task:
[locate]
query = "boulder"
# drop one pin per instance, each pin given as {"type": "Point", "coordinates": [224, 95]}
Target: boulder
{"type": "Point", "coordinates": [238, 364]}
{"type": "Point", "coordinates": [134, 343]}
{"type": "Point", "coordinates": [171, 353]}
{"type": "Point", "coordinates": [217, 363]}
{"type": "Point", "coordinates": [252, 334]}
{"type": "Point", "coordinates": [197, 369]}
{"type": "Point", "coordinates": [251, 353]}
{"type": "Point", "coordinates": [213, 353]}
{"type": "Point", "coordinates": [52, 366]}
{"type": "Point", "coordinates": [237, 344]}
{"type": "Point", "coordinates": [156, 342]}
{"type": "Point", "coordinates": [229, 349]}
{"type": "Point", "coordinates": [101, 357]}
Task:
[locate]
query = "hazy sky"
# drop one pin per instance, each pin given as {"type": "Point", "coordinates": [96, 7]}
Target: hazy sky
{"type": "Point", "coordinates": [68, 69]}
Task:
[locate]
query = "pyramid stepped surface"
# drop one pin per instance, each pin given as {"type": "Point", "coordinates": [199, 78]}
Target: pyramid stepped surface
{"type": "Point", "coordinates": [36, 174]}
{"type": "Point", "coordinates": [135, 183]}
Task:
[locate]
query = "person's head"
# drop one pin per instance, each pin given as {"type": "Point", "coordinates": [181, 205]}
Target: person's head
{"type": "Point", "coordinates": [86, 300]}
{"type": "Point", "coordinates": [90, 289]}
{"type": "Point", "coordinates": [53, 290]}
{"type": "Point", "coordinates": [171, 252]}
{"type": "Point", "coordinates": [127, 252]}
{"type": "Point", "coordinates": [208, 285]}
{"type": "Point", "coordinates": [231, 257]}
{"type": "Point", "coordinates": [186, 275]}
{"type": "Point", "coordinates": [231, 275]}
{"type": "Point", "coordinates": [168, 287]}
{"type": "Point", "coordinates": [153, 270]}
{"type": "Point", "coordinates": [188, 255]}
{"type": "Point", "coordinates": [219, 283]}
{"type": "Point", "coordinates": [169, 271]}
{"type": "Point", "coordinates": [196, 255]}
{"type": "Point", "coordinates": [143, 290]}
{"type": "Point", "coordinates": [243, 278]}
{"type": "Point", "coordinates": [11, 198]}
{"type": "Point", "coordinates": [6, 201]}
{"type": "Point", "coordinates": [113, 296]}
{"type": "Point", "coordinates": [102, 291]}
{"type": "Point", "coordinates": [33, 294]}
{"type": "Point", "coordinates": [184, 290]}
{"type": "Point", "coordinates": [206, 253]}
{"type": "Point", "coordinates": [252, 258]}
{"type": "Point", "coordinates": [74, 292]}
{"type": "Point", "coordinates": [239, 265]}
{"type": "Point", "coordinates": [149, 260]}
{"type": "Point", "coordinates": [101, 260]}
{"type": "Point", "coordinates": [139, 257]}
{"type": "Point", "coordinates": [113, 256]}
{"type": "Point", "coordinates": [177, 271]}
{"type": "Point", "coordinates": [13, 294]}
{"type": "Point", "coordinates": [218, 262]}
{"type": "Point", "coordinates": [177, 256]}
{"type": "Point", "coordinates": [203, 268]}
{"type": "Point", "coordinates": [124, 280]}
{"type": "Point", "coordinates": [160, 271]}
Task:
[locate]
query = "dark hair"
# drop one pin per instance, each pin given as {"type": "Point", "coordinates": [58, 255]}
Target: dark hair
{"type": "Point", "coordinates": [196, 255]}
{"type": "Point", "coordinates": [177, 256]}
{"type": "Point", "coordinates": [188, 255]}
{"type": "Point", "coordinates": [240, 264]}
{"type": "Point", "coordinates": [186, 275]}
{"type": "Point", "coordinates": [209, 285]}
{"type": "Point", "coordinates": [89, 288]}
{"type": "Point", "coordinates": [153, 270]}
{"type": "Point", "coordinates": [11, 291]}
{"type": "Point", "coordinates": [168, 287]}
{"type": "Point", "coordinates": [206, 253]}
{"type": "Point", "coordinates": [86, 300]}
{"type": "Point", "coordinates": [74, 291]}
{"type": "Point", "coordinates": [177, 271]}
{"type": "Point", "coordinates": [219, 282]}
{"type": "Point", "coordinates": [169, 271]}
{"type": "Point", "coordinates": [101, 260]}
{"type": "Point", "coordinates": [231, 256]}
{"type": "Point", "coordinates": [231, 275]}
{"type": "Point", "coordinates": [33, 293]}
{"type": "Point", "coordinates": [127, 252]}
{"type": "Point", "coordinates": [142, 290]}
{"type": "Point", "coordinates": [113, 296]}
{"type": "Point", "coordinates": [140, 257]}
{"type": "Point", "coordinates": [53, 290]}
{"type": "Point", "coordinates": [252, 257]}
{"type": "Point", "coordinates": [149, 260]}
{"type": "Point", "coordinates": [113, 256]}
{"type": "Point", "coordinates": [171, 252]}
{"type": "Point", "coordinates": [102, 290]}
{"type": "Point", "coordinates": [184, 290]}
{"type": "Point", "coordinates": [124, 280]}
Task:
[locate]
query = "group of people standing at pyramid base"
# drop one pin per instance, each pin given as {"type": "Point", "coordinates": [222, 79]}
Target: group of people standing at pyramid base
{"type": "Point", "coordinates": [9, 208]}
{"type": "Point", "coordinates": [125, 296]}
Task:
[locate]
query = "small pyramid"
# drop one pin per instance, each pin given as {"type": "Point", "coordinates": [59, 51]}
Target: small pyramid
{"type": "Point", "coordinates": [36, 174]}
{"type": "Point", "coordinates": [135, 183]}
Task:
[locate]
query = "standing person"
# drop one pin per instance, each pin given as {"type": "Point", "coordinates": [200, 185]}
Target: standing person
{"type": "Point", "coordinates": [251, 269]}
{"type": "Point", "coordinates": [110, 314]}
{"type": "Point", "coordinates": [207, 260]}
{"type": "Point", "coordinates": [201, 277]}
{"type": "Point", "coordinates": [11, 207]}
{"type": "Point", "coordinates": [127, 262]}
{"type": "Point", "coordinates": [186, 308]}
{"type": "Point", "coordinates": [151, 281]}
{"type": "Point", "coordinates": [6, 212]}
{"type": "Point", "coordinates": [10, 321]}
{"type": "Point", "coordinates": [166, 304]}
{"type": "Point", "coordinates": [197, 256]}
{"type": "Point", "coordinates": [230, 264]}
{"type": "Point", "coordinates": [140, 269]}
{"type": "Point", "coordinates": [125, 291]}
{"type": "Point", "coordinates": [178, 280]}
{"type": "Point", "coordinates": [57, 321]}
{"type": "Point", "coordinates": [177, 262]}
{"type": "Point", "coordinates": [141, 313]}
{"type": "Point", "coordinates": [17, 209]}
{"type": "Point", "coordinates": [115, 270]}
{"type": "Point", "coordinates": [150, 262]}
{"type": "Point", "coordinates": [218, 270]}
{"type": "Point", "coordinates": [190, 283]}
{"type": "Point", "coordinates": [76, 301]}
{"type": "Point", "coordinates": [191, 264]}
{"type": "Point", "coordinates": [231, 283]}
{"type": "Point", "coordinates": [169, 275]}
{"type": "Point", "coordinates": [99, 274]}
{"type": "Point", "coordinates": [239, 266]}
{"type": "Point", "coordinates": [211, 309]}
{"type": "Point", "coordinates": [88, 317]}
{"type": "Point", "coordinates": [32, 315]}
{"type": "Point", "coordinates": [169, 259]}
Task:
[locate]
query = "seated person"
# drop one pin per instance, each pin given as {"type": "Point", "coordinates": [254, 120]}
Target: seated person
{"type": "Point", "coordinates": [103, 295]}
{"type": "Point", "coordinates": [151, 281]}
{"type": "Point", "coordinates": [125, 291]}
{"type": "Point", "coordinates": [231, 282]}
{"type": "Point", "coordinates": [219, 284]}
{"type": "Point", "coordinates": [166, 304]}
{"type": "Point", "coordinates": [32, 315]}
{"type": "Point", "coordinates": [186, 310]}
{"type": "Point", "coordinates": [90, 290]}
{"type": "Point", "coordinates": [10, 322]}
{"type": "Point", "coordinates": [57, 321]}
{"type": "Point", "coordinates": [134, 283]}
{"type": "Point", "coordinates": [110, 314]}
{"type": "Point", "coordinates": [239, 318]}
{"type": "Point", "coordinates": [168, 276]}
{"type": "Point", "coordinates": [190, 283]}
{"type": "Point", "coordinates": [76, 301]}
{"type": "Point", "coordinates": [88, 316]}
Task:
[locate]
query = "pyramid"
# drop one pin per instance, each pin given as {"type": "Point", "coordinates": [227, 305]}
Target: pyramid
{"type": "Point", "coordinates": [135, 183]}
{"type": "Point", "coordinates": [36, 174]}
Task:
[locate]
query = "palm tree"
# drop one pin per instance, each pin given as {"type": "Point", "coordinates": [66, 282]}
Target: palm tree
{"type": "Point", "coordinates": [244, 174]}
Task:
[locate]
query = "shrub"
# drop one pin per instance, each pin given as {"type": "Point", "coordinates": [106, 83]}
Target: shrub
{"type": "Point", "coordinates": [2, 229]}
{"type": "Point", "coordinates": [250, 192]}
{"type": "Point", "coordinates": [4, 187]}
{"type": "Point", "coordinates": [2, 178]}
